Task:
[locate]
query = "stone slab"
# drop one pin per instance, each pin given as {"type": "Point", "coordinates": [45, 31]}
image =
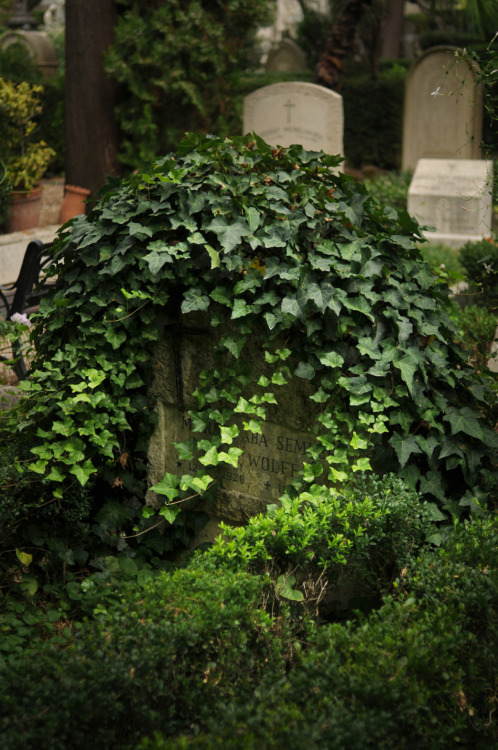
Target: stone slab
{"type": "Point", "coordinates": [13, 246]}
{"type": "Point", "coordinates": [271, 459]}
{"type": "Point", "coordinates": [296, 112]}
{"type": "Point", "coordinates": [443, 109]}
{"type": "Point", "coordinates": [455, 197]}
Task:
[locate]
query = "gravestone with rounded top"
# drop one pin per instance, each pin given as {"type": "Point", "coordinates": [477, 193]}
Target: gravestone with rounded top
{"type": "Point", "coordinates": [443, 109]}
{"type": "Point", "coordinates": [287, 56]}
{"type": "Point", "coordinates": [286, 113]}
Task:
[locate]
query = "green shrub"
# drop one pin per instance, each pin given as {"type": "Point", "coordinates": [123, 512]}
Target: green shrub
{"type": "Point", "coordinates": [177, 64]}
{"type": "Point", "coordinates": [477, 326]}
{"type": "Point", "coordinates": [480, 261]}
{"type": "Point", "coordinates": [390, 189]}
{"type": "Point", "coordinates": [169, 655]}
{"type": "Point", "coordinates": [419, 674]}
{"type": "Point", "coordinates": [326, 552]}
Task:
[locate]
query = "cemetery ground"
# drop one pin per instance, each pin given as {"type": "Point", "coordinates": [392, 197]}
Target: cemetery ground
{"type": "Point", "coordinates": [360, 616]}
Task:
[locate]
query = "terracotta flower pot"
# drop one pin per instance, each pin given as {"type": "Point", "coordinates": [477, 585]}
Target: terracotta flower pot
{"type": "Point", "coordinates": [24, 210]}
{"type": "Point", "coordinates": [73, 203]}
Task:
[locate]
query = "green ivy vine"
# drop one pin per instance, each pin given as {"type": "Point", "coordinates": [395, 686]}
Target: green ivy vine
{"type": "Point", "coordinates": [266, 242]}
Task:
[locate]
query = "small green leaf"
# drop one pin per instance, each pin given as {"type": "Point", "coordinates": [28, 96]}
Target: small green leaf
{"type": "Point", "coordinates": [23, 557]}
{"type": "Point", "coordinates": [169, 512]}
{"type": "Point", "coordinates": [168, 486]}
{"type": "Point", "coordinates": [331, 359]}
{"type": "Point", "coordinates": [284, 588]}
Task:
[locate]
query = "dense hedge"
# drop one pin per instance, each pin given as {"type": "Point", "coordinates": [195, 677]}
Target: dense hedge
{"type": "Point", "coordinates": [373, 118]}
{"type": "Point", "coordinates": [193, 660]}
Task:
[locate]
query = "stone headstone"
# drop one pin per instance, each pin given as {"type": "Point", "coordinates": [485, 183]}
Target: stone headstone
{"type": "Point", "coordinates": [443, 109]}
{"type": "Point", "coordinates": [286, 113]}
{"type": "Point", "coordinates": [271, 458]}
{"type": "Point", "coordinates": [455, 197]}
{"type": "Point", "coordinates": [287, 56]}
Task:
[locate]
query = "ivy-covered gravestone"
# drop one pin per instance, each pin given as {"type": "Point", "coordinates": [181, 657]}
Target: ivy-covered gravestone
{"type": "Point", "coordinates": [291, 310]}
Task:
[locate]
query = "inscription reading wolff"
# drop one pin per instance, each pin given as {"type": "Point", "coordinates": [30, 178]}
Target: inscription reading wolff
{"type": "Point", "coordinates": [271, 459]}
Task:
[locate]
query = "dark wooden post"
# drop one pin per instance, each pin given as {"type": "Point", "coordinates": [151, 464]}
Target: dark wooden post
{"type": "Point", "coordinates": [91, 130]}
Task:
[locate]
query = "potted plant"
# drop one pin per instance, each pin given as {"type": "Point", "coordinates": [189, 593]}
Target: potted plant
{"type": "Point", "coordinates": [24, 160]}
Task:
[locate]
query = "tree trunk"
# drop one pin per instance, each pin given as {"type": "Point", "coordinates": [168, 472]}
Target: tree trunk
{"type": "Point", "coordinates": [339, 43]}
{"type": "Point", "coordinates": [393, 29]}
{"type": "Point", "coordinates": [91, 131]}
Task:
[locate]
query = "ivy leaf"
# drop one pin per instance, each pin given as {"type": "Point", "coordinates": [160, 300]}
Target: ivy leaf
{"type": "Point", "coordinates": [464, 420]}
{"type": "Point", "coordinates": [404, 446]}
{"type": "Point", "coordinates": [213, 255]}
{"type": "Point", "coordinates": [193, 300]}
{"type": "Point", "coordinates": [304, 370]}
{"type": "Point", "coordinates": [82, 472]}
{"type": "Point", "coordinates": [234, 345]}
{"type": "Point", "coordinates": [358, 443]}
{"type": "Point", "coordinates": [169, 486]}
{"type": "Point", "coordinates": [231, 457]}
{"type": "Point", "coordinates": [139, 231]}
{"type": "Point", "coordinates": [229, 433]}
{"type": "Point", "coordinates": [331, 359]}
{"type": "Point", "coordinates": [169, 512]}
{"type": "Point", "coordinates": [229, 235]}
{"type": "Point", "coordinates": [115, 336]}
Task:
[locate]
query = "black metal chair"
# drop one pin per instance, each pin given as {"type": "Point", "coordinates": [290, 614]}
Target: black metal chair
{"type": "Point", "coordinates": [24, 294]}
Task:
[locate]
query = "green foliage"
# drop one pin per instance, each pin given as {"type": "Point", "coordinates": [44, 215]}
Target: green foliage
{"type": "Point", "coordinates": [373, 113]}
{"type": "Point", "coordinates": [164, 657]}
{"type": "Point", "coordinates": [17, 67]}
{"type": "Point", "coordinates": [480, 261]}
{"type": "Point", "coordinates": [322, 541]}
{"type": "Point", "coordinates": [477, 326]}
{"type": "Point", "coordinates": [25, 161]}
{"type": "Point", "coordinates": [276, 242]}
{"type": "Point", "coordinates": [178, 65]}
{"type": "Point", "coordinates": [390, 189]}
{"type": "Point", "coordinates": [418, 674]}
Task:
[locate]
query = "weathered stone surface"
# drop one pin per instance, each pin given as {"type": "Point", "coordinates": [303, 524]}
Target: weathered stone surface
{"type": "Point", "coordinates": [455, 197]}
{"type": "Point", "coordinates": [443, 109]}
{"type": "Point", "coordinates": [304, 113]}
{"type": "Point", "coordinates": [286, 56]}
{"type": "Point", "coordinates": [271, 459]}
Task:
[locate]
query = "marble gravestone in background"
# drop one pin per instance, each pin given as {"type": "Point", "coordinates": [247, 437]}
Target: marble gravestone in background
{"type": "Point", "coordinates": [455, 197]}
{"type": "Point", "coordinates": [287, 56]}
{"type": "Point", "coordinates": [443, 109]}
{"type": "Point", "coordinates": [271, 459]}
{"type": "Point", "coordinates": [286, 113]}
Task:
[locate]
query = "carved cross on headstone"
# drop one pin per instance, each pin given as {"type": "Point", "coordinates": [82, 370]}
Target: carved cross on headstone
{"type": "Point", "coordinates": [289, 106]}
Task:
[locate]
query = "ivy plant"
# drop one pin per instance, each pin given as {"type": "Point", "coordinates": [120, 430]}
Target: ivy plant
{"type": "Point", "coordinates": [277, 244]}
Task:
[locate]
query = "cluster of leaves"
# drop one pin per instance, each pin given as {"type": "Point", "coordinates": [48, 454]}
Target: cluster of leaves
{"type": "Point", "coordinates": [25, 160]}
{"type": "Point", "coordinates": [313, 546]}
{"type": "Point", "coordinates": [480, 261]}
{"type": "Point", "coordinates": [194, 659]}
{"type": "Point", "coordinates": [283, 248]}
{"type": "Point", "coordinates": [173, 649]}
{"type": "Point", "coordinates": [178, 63]}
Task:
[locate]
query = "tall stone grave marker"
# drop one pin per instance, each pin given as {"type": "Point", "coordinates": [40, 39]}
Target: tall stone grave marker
{"type": "Point", "coordinates": [287, 113]}
{"type": "Point", "coordinates": [455, 197]}
{"type": "Point", "coordinates": [271, 458]}
{"type": "Point", "coordinates": [287, 56]}
{"type": "Point", "coordinates": [443, 109]}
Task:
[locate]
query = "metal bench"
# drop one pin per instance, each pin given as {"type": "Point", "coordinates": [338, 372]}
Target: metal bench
{"type": "Point", "coordinates": [24, 294]}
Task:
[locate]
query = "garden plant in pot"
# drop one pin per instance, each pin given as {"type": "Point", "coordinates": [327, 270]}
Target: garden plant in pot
{"type": "Point", "coordinates": [24, 161]}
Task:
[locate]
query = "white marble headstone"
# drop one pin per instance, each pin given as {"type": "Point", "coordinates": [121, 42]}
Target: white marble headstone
{"type": "Point", "coordinates": [455, 197]}
{"type": "Point", "coordinates": [295, 112]}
